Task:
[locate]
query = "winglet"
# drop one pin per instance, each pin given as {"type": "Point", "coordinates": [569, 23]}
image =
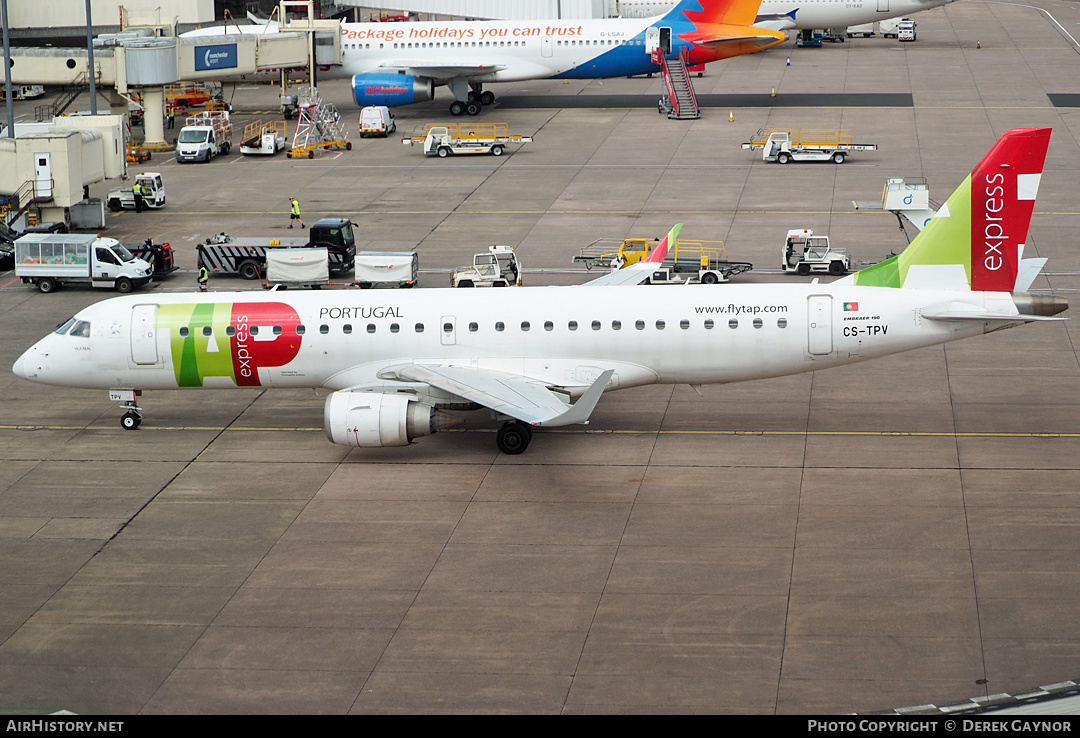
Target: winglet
{"type": "Point", "coordinates": [579, 412]}
{"type": "Point", "coordinates": [660, 252]}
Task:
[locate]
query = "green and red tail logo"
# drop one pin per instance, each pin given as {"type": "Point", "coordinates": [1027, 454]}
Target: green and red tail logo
{"type": "Point", "coordinates": [983, 226]}
{"type": "Point", "coordinates": [229, 340]}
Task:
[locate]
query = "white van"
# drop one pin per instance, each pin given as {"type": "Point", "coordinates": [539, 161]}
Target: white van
{"type": "Point", "coordinates": [376, 120]}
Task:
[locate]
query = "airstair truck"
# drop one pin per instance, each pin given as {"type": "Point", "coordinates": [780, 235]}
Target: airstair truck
{"type": "Point", "coordinates": [783, 146]}
{"type": "Point", "coordinates": [48, 260]}
{"type": "Point", "coordinates": [204, 136]}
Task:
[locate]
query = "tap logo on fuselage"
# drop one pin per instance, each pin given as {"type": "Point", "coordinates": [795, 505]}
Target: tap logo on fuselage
{"type": "Point", "coordinates": [232, 340]}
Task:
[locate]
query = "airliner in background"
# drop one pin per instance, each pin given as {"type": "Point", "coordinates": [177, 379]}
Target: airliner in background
{"type": "Point", "coordinates": [402, 63]}
{"type": "Point", "coordinates": [403, 364]}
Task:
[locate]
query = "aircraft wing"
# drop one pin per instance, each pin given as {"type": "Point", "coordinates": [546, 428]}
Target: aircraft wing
{"type": "Point", "coordinates": [630, 275]}
{"type": "Point", "coordinates": [509, 394]}
{"type": "Point", "coordinates": [435, 70]}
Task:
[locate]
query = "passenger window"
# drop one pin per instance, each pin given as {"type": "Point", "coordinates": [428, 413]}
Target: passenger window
{"type": "Point", "coordinates": [596, 325]}
{"type": "Point", "coordinates": [660, 325]}
{"type": "Point", "coordinates": [473, 327]}
{"type": "Point", "coordinates": [549, 326]}
{"type": "Point", "coordinates": [370, 327]}
{"type": "Point", "coordinates": [346, 329]}
{"type": "Point", "coordinates": [781, 322]}
{"type": "Point", "coordinates": [230, 331]}
{"type": "Point", "coordinates": [254, 330]}
{"type": "Point", "coordinates": [300, 330]}
{"type": "Point", "coordinates": [525, 326]}
{"type": "Point", "coordinates": [684, 324]}
{"type": "Point", "coordinates": [324, 329]}
{"type": "Point", "coordinates": [640, 325]}
{"type": "Point", "coordinates": [758, 322]}
{"type": "Point", "coordinates": [572, 325]}
{"type": "Point", "coordinates": [616, 325]}
{"type": "Point", "coordinates": [448, 327]}
{"type": "Point", "coordinates": [709, 324]}
{"type": "Point", "coordinates": [499, 326]}
{"type": "Point", "coordinates": [277, 330]}
{"type": "Point", "coordinates": [394, 327]}
{"type": "Point", "coordinates": [207, 330]}
{"type": "Point", "coordinates": [81, 329]}
{"type": "Point", "coordinates": [419, 327]}
{"type": "Point", "coordinates": [733, 323]}
{"type": "Point", "coordinates": [183, 331]}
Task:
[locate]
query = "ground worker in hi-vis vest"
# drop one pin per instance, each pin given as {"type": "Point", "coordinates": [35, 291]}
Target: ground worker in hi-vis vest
{"type": "Point", "coordinates": [204, 276]}
{"type": "Point", "coordinates": [294, 212]}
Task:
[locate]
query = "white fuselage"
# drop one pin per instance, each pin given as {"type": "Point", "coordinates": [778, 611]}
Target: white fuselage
{"type": "Point", "coordinates": [558, 336]}
{"type": "Point", "coordinates": [839, 13]}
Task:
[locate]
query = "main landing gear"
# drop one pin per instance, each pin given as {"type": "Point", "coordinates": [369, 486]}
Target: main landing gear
{"type": "Point", "coordinates": [513, 437]}
{"type": "Point", "coordinates": [472, 102]}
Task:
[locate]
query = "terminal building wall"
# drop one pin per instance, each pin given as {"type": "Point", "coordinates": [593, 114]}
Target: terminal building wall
{"type": "Point", "coordinates": [71, 13]}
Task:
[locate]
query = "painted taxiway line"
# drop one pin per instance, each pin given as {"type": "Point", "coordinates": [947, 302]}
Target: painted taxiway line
{"type": "Point", "coordinates": [583, 431]}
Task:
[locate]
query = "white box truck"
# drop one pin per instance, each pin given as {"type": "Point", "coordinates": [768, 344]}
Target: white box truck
{"type": "Point", "coordinates": [48, 260]}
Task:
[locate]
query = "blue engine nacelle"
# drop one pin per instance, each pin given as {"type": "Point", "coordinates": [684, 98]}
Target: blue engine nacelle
{"type": "Point", "coordinates": [391, 89]}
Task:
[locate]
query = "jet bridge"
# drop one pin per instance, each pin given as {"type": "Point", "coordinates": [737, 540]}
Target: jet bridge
{"type": "Point", "coordinates": [147, 59]}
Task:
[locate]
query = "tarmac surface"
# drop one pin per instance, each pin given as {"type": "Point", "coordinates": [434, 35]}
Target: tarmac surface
{"type": "Point", "coordinates": [896, 533]}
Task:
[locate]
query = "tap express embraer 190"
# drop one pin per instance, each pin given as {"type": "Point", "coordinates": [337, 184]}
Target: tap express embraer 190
{"type": "Point", "coordinates": [405, 364]}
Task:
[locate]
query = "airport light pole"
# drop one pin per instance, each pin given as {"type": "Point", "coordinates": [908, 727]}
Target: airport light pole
{"type": "Point", "coordinates": [90, 59]}
{"type": "Point", "coordinates": [7, 72]}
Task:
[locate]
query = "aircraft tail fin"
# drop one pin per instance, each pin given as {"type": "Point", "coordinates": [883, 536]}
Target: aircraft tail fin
{"type": "Point", "coordinates": [660, 253]}
{"type": "Point", "coordinates": [729, 12]}
{"type": "Point", "coordinates": [976, 240]}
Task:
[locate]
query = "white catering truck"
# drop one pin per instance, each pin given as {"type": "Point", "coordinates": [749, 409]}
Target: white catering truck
{"type": "Point", "coordinates": [47, 260]}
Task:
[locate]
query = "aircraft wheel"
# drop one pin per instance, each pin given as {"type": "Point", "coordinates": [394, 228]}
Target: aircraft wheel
{"type": "Point", "coordinates": [457, 108]}
{"type": "Point", "coordinates": [130, 420]}
{"type": "Point", "coordinates": [487, 97]}
{"type": "Point", "coordinates": [473, 108]}
{"type": "Point", "coordinates": [513, 437]}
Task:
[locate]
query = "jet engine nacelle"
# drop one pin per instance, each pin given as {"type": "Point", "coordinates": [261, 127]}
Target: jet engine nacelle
{"type": "Point", "coordinates": [377, 419]}
{"type": "Point", "coordinates": [391, 89]}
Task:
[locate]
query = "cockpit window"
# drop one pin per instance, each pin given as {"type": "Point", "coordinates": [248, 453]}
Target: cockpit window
{"type": "Point", "coordinates": [63, 327]}
{"type": "Point", "coordinates": [81, 329]}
